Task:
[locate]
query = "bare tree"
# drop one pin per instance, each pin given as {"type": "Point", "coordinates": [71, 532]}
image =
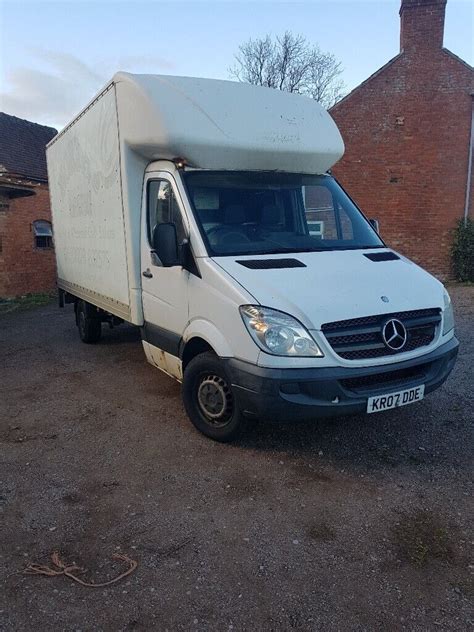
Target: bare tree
{"type": "Point", "coordinates": [290, 63]}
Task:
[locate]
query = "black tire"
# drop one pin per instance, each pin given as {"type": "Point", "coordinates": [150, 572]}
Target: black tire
{"type": "Point", "coordinates": [209, 400]}
{"type": "Point", "coordinates": [88, 325]}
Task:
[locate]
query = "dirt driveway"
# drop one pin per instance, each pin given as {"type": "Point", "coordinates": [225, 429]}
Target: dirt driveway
{"type": "Point", "coordinates": [364, 523]}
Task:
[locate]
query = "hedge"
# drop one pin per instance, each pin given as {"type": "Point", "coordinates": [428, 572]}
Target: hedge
{"type": "Point", "coordinates": [463, 251]}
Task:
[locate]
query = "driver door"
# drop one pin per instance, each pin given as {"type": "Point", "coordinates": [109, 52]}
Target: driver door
{"type": "Point", "coordinates": [164, 290]}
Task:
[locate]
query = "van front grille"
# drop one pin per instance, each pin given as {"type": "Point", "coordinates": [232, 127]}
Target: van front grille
{"type": "Point", "coordinates": [361, 338]}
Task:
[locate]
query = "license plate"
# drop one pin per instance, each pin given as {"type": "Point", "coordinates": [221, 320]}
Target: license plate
{"type": "Point", "coordinates": [394, 400]}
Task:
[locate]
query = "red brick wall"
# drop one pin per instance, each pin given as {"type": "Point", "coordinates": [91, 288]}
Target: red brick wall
{"type": "Point", "coordinates": [406, 132]}
{"type": "Point", "coordinates": [24, 268]}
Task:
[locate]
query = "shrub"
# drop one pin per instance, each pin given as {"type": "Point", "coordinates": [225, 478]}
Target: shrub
{"type": "Point", "coordinates": [463, 251]}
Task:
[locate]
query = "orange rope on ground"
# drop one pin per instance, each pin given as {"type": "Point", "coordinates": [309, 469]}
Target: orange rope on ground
{"type": "Point", "coordinates": [63, 569]}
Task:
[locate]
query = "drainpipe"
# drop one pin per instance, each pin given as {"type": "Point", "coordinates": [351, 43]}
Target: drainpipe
{"type": "Point", "coordinates": [469, 165]}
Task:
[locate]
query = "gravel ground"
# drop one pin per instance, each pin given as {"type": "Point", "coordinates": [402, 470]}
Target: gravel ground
{"type": "Point", "coordinates": [361, 523]}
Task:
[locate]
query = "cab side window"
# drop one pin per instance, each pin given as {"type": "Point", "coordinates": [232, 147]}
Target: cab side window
{"type": "Point", "coordinates": [163, 208]}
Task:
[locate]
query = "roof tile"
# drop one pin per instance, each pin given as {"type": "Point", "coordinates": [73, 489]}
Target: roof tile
{"type": "Point", "coordinates": [23, 146]}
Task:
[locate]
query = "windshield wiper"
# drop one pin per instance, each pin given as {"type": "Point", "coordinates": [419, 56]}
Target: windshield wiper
{"type": "Point", "coordinates": [282, 250]}
{"type": "Point", "coordinates": [353, 247]}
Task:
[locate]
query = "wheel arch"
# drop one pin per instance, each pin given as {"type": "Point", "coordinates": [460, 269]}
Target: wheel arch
{"type": "Point", "coordinates": [195, 346]}
{"type": "Point", "coordinates": [201, 336]}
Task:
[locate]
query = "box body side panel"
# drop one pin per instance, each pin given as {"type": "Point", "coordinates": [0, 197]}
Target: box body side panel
{"type": "Point", "coordinates": [87, 207]}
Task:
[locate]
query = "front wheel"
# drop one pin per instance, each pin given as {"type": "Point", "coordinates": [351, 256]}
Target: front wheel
{"type": "Point", "coordinates": [209, 400]}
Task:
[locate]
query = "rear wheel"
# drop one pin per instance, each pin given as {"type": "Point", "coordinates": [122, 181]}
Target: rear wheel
{"type": "Point", "coordinates": [88, 323]}
{"type": "Point", "coordinates": [209, 400]}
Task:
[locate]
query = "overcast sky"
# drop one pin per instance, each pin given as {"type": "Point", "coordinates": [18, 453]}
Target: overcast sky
{"type": "Point", "coordinates": [55, 56]}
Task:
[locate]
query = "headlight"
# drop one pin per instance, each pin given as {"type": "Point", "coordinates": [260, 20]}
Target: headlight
{"type": "Point", "coordinates": [278, 333]}
{"type": "Point", "coordinates": [448, 316]}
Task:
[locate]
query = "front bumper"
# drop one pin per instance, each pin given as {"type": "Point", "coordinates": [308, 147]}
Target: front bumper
{"type": "Point", "coordinates": [295, 394]}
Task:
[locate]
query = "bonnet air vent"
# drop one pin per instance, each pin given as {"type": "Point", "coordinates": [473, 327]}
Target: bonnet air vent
{"type": "Point", "coordinates": [381, 256]}
{"type": "Point", "coordinates": [268, 264]}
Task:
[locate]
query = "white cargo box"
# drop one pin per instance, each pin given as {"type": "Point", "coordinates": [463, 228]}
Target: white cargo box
{"type": "Point", "coordinates": [97, 163]}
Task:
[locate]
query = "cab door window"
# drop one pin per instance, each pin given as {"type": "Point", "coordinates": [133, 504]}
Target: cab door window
{"type": "Point", "coordinates": [163, 208]}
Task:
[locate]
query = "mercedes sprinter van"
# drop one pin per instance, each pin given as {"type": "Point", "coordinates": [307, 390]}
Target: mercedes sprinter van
{"type": "Point", "coordinates": [204, 212]}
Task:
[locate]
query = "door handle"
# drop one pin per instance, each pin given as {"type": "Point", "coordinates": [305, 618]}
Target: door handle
{"type": "Point", "coordinates": [146, 273]}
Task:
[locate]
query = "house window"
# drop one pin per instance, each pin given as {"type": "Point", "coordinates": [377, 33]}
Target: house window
{"type": "Point", "coordinates": [43, 233]}
{"type": "Point", "coordinates": [315, 227]}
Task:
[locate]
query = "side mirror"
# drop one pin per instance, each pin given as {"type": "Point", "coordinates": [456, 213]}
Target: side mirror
{"type": "Point", "coordinates": [375, 224]}
{"type": "Point", "coordinates": [165, 244]}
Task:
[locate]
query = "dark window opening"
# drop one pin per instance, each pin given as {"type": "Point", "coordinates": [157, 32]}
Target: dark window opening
{"type": "Point", "coordinates": [43, 233]}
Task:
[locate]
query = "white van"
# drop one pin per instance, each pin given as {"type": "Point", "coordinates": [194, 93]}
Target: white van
{"type": "Point", "coordinates": [203, 211]}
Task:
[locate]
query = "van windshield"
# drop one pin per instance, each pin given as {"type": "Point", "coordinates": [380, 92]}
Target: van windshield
{"type": "Point", "coordinates": [242, 213]}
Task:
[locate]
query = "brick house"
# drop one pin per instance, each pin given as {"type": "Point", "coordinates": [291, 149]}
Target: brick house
{"type": "Point", "coordinates": [407, 133]}
{"type": "Point", "coordinates": [27, 262]}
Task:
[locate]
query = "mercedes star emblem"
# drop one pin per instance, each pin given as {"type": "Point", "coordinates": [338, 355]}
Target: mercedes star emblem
{"type": "Point", "coordinates": [394, 334]}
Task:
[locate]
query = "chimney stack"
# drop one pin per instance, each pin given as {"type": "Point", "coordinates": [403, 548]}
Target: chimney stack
{"type": "Point", "coordinates": [421, 24]}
